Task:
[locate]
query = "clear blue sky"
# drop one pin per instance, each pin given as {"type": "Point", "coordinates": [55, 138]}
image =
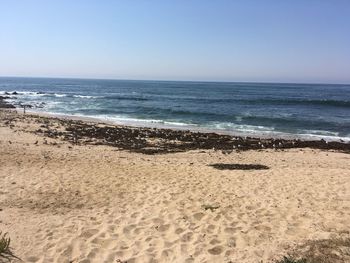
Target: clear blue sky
{"type": "Point", "coordinates": [262, 40]}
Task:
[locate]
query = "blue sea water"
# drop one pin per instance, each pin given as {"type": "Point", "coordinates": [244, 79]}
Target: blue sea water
{"type": "Point", "coordinates": [276, 109]}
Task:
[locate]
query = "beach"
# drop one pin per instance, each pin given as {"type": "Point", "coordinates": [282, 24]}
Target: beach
{"type": "Point", "coordinates": [71, 195]}
{"type": "Point", "coordinates": [175, 132]}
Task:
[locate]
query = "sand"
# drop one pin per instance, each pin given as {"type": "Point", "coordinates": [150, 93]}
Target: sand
{"type": "Point", "coordinates": [81, 203]}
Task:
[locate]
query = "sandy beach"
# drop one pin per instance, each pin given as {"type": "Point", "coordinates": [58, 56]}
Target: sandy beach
{"type": "Point", "coordinates": [89, 201]}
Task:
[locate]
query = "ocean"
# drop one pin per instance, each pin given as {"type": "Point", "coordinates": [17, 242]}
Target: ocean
{"type": "Point", "coordinates": [250, 109]}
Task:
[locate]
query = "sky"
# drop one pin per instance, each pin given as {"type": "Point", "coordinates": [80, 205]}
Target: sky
{"type": "Point", "coordinates": [232, 40]}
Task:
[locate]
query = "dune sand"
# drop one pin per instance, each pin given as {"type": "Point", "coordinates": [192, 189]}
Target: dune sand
{"type": "Point", "coordinates": [81, 203]}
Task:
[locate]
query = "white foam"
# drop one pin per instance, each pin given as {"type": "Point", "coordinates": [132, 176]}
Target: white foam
{"type": "Point", "coordinates": [124, 119]}
{"type": "Point", "coordinates": [23, 93]}
{"type": "Point", "coordinates": [239, 127]}
{"type": "Point", "coordinates": [86, 96]}
{"type": "Point", "coordinates": [60, 95]}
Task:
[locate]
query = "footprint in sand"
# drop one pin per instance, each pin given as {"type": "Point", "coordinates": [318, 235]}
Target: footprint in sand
{"type": "Point", "coordinates": [164, 228]}
{"type": "Point", "coordinates": [127, 229]}
{"type": "Point", "coordinates": [198, 216]}
{"type": "Point", "coordinates": [214, 242]}
{"type": "Point", "coordinates": [187, 237]}
{"type": "Point", "coordinates": [210, 228]}
{"type": "Point", "coordinates": [32, 259]}
{"type": "Point", "coordinates": [179, 231]}
{"type": "Point", "coordinates": [215, 250]}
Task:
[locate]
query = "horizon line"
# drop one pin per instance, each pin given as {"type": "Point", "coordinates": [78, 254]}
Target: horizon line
{"type": "Point", "coordinates": [170, 80]}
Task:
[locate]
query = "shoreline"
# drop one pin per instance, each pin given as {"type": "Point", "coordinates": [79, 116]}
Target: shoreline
{"type": "Point", "coordinates": [192, 128]}
{"type": "Point", "coordinates": [165, 140]}
{"type": "Point", "coordinates": [184, 127]}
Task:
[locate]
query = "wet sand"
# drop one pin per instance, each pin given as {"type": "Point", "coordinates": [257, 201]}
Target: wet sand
{"type": "Point", "coordinates": [84, 192]}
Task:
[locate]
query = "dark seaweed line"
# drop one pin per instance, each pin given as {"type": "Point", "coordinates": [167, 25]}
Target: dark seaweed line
{"type": "Point", "coordinates": [167, 140]}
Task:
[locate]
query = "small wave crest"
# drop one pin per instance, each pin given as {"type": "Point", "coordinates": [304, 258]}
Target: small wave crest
{"type": "Point", "coordinates": [87, 97]}
{"type": "Point", "coordinates": [60, 95]}
{"type": "Point", "coordinates": [31, 94]}
{"type": "Point", "coordinates": [21, 93]}
{"type": "Point", "coordinates": [241, 127]}
{"type": "Point", "coordinates": [127, 119]}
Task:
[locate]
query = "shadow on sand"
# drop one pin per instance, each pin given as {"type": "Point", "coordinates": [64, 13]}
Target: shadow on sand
{"type": "Point", "coordinates": [237, 166]}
